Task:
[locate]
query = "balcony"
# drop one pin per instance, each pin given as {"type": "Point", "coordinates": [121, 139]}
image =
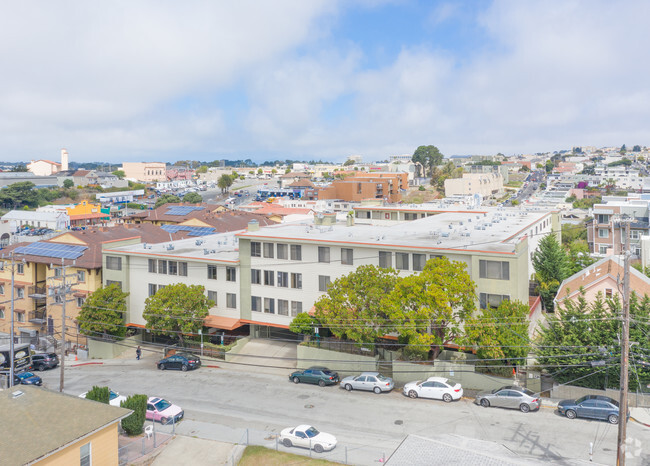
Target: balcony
{"type": "Point", "coordinates": [37, 317]}
{"type": "Point", "coordinates": [37, 292]}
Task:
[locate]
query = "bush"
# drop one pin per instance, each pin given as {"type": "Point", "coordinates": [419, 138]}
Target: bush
{"type": "Point", "coordinates": [422, 188]}
{"type": "Point", "coordinates": [132, 425]}
{"type": "Point", "coordinates": [415, 353]}
{"type": "Point", "coordinates": [101, 394]}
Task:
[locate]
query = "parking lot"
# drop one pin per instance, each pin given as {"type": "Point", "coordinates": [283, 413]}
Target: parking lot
{"type": "Point", "coordinates": [232, 401]}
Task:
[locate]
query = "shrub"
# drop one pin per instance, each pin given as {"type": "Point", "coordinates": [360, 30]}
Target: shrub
{"type": "Point", "coordinates": [132, 425]}
{"type": "Point", "coordinates": [422, 188]}
{"type": "Point", "coordinates": [101, 394]}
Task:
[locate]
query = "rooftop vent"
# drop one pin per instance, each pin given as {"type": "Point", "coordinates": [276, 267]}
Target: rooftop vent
{"type": "Point", "coordinates": [170, 247]}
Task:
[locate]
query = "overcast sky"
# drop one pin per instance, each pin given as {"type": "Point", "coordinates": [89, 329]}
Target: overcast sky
{"type": "Point", "coordinates": [166, 80]}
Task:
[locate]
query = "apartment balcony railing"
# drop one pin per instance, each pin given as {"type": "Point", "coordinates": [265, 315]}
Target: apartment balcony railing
{"type": "Point", "coordinates": [37, 317]}
{"type": "Point", "coordinates": [37, 292]}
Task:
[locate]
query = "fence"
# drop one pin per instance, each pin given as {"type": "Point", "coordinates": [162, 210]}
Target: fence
{"type": "Point", "coordinates": [132, 448]}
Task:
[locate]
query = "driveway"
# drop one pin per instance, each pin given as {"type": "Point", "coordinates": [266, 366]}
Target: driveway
{"type": "Point", "coordinates": [268, 356]}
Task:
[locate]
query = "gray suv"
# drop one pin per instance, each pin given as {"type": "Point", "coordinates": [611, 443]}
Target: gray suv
{"type": "Point", "coordinates": [42, 361]}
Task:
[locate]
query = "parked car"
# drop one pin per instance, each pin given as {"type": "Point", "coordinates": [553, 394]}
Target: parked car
{"type": "Point", "coordinates": [159, 409]}
{"type": "Point", "coordinates": [509, 396]}
{"type": "Point", "coordinates": [591, 407]}
{"type": "Point", "coordinates": [27, 378]}
{"type": "Point", "coordinates": [42, 361]}
{"type": "Point", "coordinates": [317, 375]}
{"type": "Point", "coordinates": [114, 398]}
{"type": "Point", "coordinates": [182, 361]}
{"type": "Point", "coordinates": [373, 381]}
{"type": "Point", "coordinates": [438, 388]}
{"type": "Point", "coordinates": [307, 437]}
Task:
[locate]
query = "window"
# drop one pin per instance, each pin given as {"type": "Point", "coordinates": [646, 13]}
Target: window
{"type": "Point", "coordinates": [491, 300]}
{"type": "Point", "coordinates": [602, 218]}
{"type": "Point", "coordinates": [323, 282]}
{"type": "Point", "coordinates": [418, 262]}
{"type": "Point", "coordinates": [608, 292]}
{"type": "Point", "coordinates": [81, 276]}
{"type": "Point", "coordinates": [212, 295]}
{"type": "Point", "coordinates": [402, 261]}
{"type": "Point", "coordinates": [85, 455]}
{"type": "Point", "coordinates": [173, 268]}
{"type": "Point", "coordinates": [2, 266]}
{"type": "Point", "coordinates": [635, 234]}
{"type": "Point", "coordinates": [283, 251]}
{"type": "Point", "coordinates": [162, 266]}
{"type": "Point", "coordinates": [602, 249]}
{"type": "Point", "coordinates": [20, 292]}
{"type": "Point", "coordinates": [182, 269]}
{"type": "Point", "coordinates": [152, 266]}
{"type": "Point", "coordinates": [80, 301]}
{"type": "Point", "coordinates": [212, 272]}
{"type": "Point", "coordinates": [296, 308]}
{"type": "Point", "coordinates": [269, 305]}
{"type": "Point", "coordinates": [603, 233]}
{"type": "Point", "coordinates": [283, 279]}
{"type": "Point", "coordinates": [283, 307]}
{"type": "Point", "coordinates": [231, 274]}
{"type": "Point", "coordinates": [347, 257]}
{"type": "Point", "coordinates": [112, 263]}
{"type": "Point", "coordinates": [385, 259]}
{"type": "Point", "coordinates": [256, 249]}
{"type": "Point", "coordinates": [269, 278]}
{"type": "Point", "coordinates": [495, 270]}
{"type": "Point", "coordinates": [256, 304]}
{"type": "Point", "coordinates": [19, 316]}
{"type": "Point", "coordinates": [323, 254]}
{"type": "Point", "coordinates": [20, 268]}
{"type": "Point", "coordinates": [231, 300]}
{"type": "Point", "coordinates": [58, 272]}
{"type": "Point", "coordinates": [114, 282]}
{"type": "Point", "coordinates": [2, 289]}
{"type": "Point", "coordinates": [296, 252]}
{"type": "Point", "coordinates": [152, 289]}
{"type": "Point", "coordinates": [268, 250]}
{"type": "Point", "coordinates": [2, 313]}
{"type": "Point", "coordinates": [256, 276]}
{"type": "Point", "coordinates": [296, 280]}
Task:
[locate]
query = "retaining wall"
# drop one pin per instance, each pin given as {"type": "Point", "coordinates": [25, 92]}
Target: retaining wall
{"type": "Point", "coordinates": [343, 363]}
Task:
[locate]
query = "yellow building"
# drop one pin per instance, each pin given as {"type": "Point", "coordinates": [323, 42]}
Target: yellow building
{"type": "Point", "coordinates": [87, 213]}
{"type": "Point", "coordinates": [89, 436]}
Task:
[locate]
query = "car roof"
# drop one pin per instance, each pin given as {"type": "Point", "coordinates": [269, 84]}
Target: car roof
{"type": "Point", "coordinates": [370, 373]}
{"type": "Point", "coordinates": [302, 427]}
{"type": "Point", "coordinates": [154, 399]}
{"type": "Point", "coordinates": [318, 368]}
{"type": "Point", "coordinates": [437, 379]}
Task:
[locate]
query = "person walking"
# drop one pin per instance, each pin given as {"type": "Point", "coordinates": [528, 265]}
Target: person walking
{"type": "Point", "coordinates": [138, 352]}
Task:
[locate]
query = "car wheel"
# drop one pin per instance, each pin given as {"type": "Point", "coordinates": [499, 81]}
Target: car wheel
{"type": "Point", "coordinates": [161, 367]}
{"type": "Point", "coordinates": [613, 419]}
{"type": "Point", "coordinates": [321, 383]}
{"type": "Point", "coordinates": [571, 414]}
{"type": "Point", "coordinates": [40, 368]}
{"type": "Point", "coordinates": [184, 367]}
{"type": "Point", "coordinates": [485, 403]}
{"type": "Point", "coordinates": [377, 390]}
{"type": "Point", "coordinates": [413, 394]}
{"type": "Point", "coordinates": [287, 443]}
{"type": "Point", "coordinates": [296, 380]}
{"type": "Point", "coordinates": [318, 448]}
{"type": "Point", "coordinates": [348, 387]}
{"type": "Point", "coordinates": [524, 408]}
{"type": "Point", "coordinates": [446, 398]}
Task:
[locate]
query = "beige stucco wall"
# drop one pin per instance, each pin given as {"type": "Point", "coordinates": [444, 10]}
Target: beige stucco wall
{"type": "Point", "coordinates": [104, 450]}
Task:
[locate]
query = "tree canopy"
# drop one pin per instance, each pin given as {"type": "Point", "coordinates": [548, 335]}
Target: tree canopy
{"type": "Point", "coordinates": [551, 265]}
{"type": "Point", "coordinates": [176, 310]}
{"type": "Point", "coordinates": [225, 182]}
{"type": "Point", "coordinates": [68, 183]}
{"type": "Point", "coordinates": [193, 198]}
{"type": "Point", "coordinates": [119, 173]}
{"type": "Point", "coordinates": [167, 199]}
{"type": "Point", "coordinates": [103, 312]}
{"type": "Point", "coordinates": [428, 157]}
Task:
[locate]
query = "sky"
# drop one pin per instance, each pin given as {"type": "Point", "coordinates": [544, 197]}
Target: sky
{"type": "Point", "coordinates": [319, 79]}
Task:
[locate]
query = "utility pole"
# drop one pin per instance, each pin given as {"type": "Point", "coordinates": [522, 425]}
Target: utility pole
{"type": "Point", "coordinates": [625, 339]}
{"type": "Point", "coordinates": [62, 291]}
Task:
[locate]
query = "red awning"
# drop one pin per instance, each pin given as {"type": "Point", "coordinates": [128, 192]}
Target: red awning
{"type": "Point", "coordinates": [224, 323]}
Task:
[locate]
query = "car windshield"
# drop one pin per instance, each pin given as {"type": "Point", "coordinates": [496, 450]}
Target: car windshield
{"type": "Point", "coordinates": [162, 405]}
{"type": "Point", "coordinates": [382, 378]}
{"type": "Point", "coordinates": [312, 432]}
{"type": "Point", "coordinates": [327, 372]}
{"type": "Point", "coordinates": [25, 375]}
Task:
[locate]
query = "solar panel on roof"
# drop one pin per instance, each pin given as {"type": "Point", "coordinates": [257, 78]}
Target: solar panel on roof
{"type": "Point", "coordinates": [60, 251]}
{"type": "Point", "coordinates": [182, 209]}
{"type": "Point", "coordinates": [192, 231]}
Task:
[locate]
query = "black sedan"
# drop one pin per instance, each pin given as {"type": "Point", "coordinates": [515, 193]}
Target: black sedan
{"type": "Point", "coordinates": [182, 361]}
{"type": "Point", "coordinates": [27, 378]}
{"type": "Point", "coordinates": [42, 361]}
{"type": "Point", "coordinates": [316, 375]}
{"type": "Point", "coordinates": [591, 407]}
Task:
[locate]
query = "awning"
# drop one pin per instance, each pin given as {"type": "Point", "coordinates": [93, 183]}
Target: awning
{"type": "Point", "coordinates": [224, 323]}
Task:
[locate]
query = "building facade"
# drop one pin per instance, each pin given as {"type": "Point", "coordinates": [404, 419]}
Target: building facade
{"type": "Point", "coordinates": [146, 172]}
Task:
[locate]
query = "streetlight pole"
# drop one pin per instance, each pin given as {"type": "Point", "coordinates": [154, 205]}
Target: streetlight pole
{"type": "Point", "coordinates": [625, 338]}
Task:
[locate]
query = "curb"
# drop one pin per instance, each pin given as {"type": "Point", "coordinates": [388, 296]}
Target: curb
{"type": "Point", "coordinates": [213, 367]}
{"type": "Point", "coordinates": [85, 364]}
{"type": "Point", "coordinates": [639, 422]}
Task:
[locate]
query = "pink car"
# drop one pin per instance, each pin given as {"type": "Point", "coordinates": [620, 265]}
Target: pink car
{"type": "Point", "coordinates": [162, 410]}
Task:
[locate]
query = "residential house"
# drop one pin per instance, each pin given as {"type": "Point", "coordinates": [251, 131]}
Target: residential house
{"type": "Point", "coordinates": [87, 214]}
{"type": "Point", "coordinates": [43, 167]}
{"type": "Point", "coordinates": [385, 186]}
{"type": "Point", "coordinates": [605, 229]}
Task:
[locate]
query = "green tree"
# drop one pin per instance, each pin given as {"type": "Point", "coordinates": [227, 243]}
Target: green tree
{"type": "Point", "coordinates": [303, 324]}
{"type": "Point", "coordinates": [202, 169]}
{"type": "Point", "coordinates": [579, 256]}
{"type": "Point", "coordinates": [549, 166]}
{"type": "Point", "coordinates": [224, 182]}
{"type": "Point", "coordinates": [133, 424]}
{"type": "Point", "coordinates": [429, 309]}
{"type": "Point", "coordinates": [260, 171]}
{"type": "Point", "coordinates": [103, 312]}
{"type": "Point", "coordinates": [120, 174]}
{"type": "Point", "coordinates": [428, 157]}
{"type": "Point", "coordinates": [67, 184]}
{"type": "Point", "coordinates": [167, 199]}
{"type": "Point", "coordinates": [636, 148]}
{"type": "Point", "coordinates": [18, 195]}
{"type": "Point", "coordinates": [355, 305]}
{"type": "Point", "coordinates": [348, 162]}
{"type": "Point", "coordinates": [19, 168]}
{"type": "Point", "coordinates": [101, 394]}
{"type": "Point", "coordinates": [176, 310]}
{"type": "Point", "coordinates": [623, 149]}
{"type": "Point", "coordinates": [551, 265]}
{"type": "Point", "coordinates": [193, 198]}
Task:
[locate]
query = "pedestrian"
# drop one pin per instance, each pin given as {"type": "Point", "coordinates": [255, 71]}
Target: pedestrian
{"type": "Point", "coordinates": [138, 352]}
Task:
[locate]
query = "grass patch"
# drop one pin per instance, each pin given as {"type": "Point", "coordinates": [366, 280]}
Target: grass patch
{"type": "Point", "coordinates": [255, 455]}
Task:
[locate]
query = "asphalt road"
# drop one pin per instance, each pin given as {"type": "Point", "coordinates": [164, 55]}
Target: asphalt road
{"type": "Point", "coordinates": [222, 403]}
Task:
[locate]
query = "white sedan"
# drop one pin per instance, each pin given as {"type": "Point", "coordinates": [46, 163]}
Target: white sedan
{"type": "Point", "coordinates": [114, 398]}
{"type": "Point", "coordinates": [438, 388]}
{"type": "Point", "coordinates": [307, 437]}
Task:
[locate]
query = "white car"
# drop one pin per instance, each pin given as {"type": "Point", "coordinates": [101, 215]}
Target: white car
{"type": "Point", "coordinates": [438, 388]}
{"type": "Point", "coordinates": [307, 437]}
{"type": "Point", "coordinates": [114, 399]}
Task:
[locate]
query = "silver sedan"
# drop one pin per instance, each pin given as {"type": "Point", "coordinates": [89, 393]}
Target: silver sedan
{"type": "Point", "coordinates": [371, 381]}
{"type": "Point", "coordinates": [509, 396]}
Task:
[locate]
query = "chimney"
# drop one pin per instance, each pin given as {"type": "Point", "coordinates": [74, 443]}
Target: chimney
{"type": "Point", "coordinates": [64, 159]}
{"type": "Point", "coordinates": [253, 225]}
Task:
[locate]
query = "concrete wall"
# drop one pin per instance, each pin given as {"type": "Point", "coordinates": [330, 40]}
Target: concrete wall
{"type": "Point", "coordinates": [237, 348]}
{"type": "Point", "coordinates": [343, 363]}
{"type": "Point", "coordinates": [98, 349]}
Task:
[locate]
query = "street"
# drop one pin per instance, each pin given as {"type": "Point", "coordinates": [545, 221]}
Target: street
{"type": "Point", "coordinates": [231, 402]}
